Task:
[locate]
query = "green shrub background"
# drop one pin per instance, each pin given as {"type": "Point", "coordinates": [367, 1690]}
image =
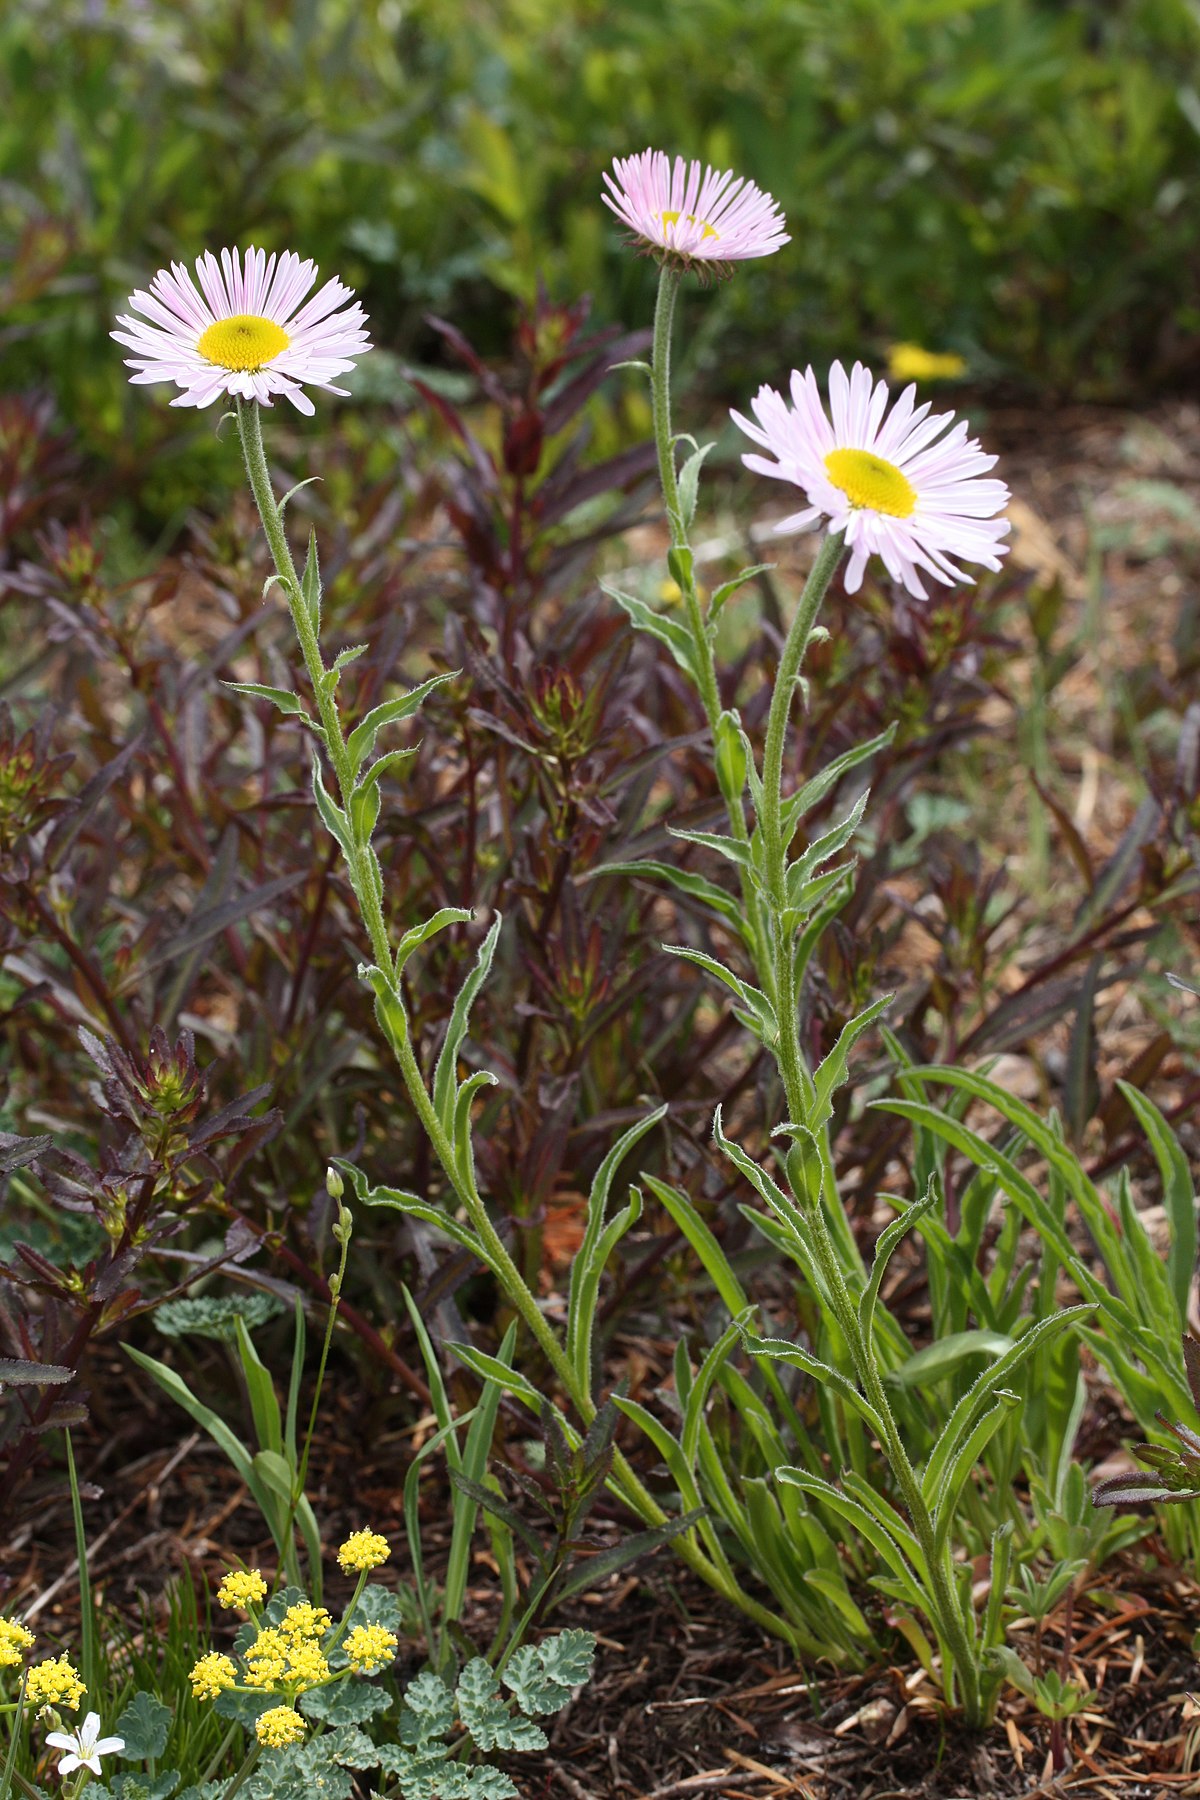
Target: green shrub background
{"type": "Point", "coordinates": [1015, 179]}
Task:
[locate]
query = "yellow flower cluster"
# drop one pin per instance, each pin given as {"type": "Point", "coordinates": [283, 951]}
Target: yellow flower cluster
{"type": "Point", "coordinates": [303, 1620]}
{"type": "Point", "coordinates": [242, 1588]}
{"type": "Point", "coordinates": [289, 1654]}
{"type": "Point", "coordinates": [54, 1683]}
{"type": "Point", "coordinates": [909, 362]}
{"type": "Point", "coordinates": [369, 1647]}
{"type": "Point", "coordinates": [211, 1674]}
{"type": "Point", "coordinates": [279, 1727]}
{"type": "Point", "coordinates": [15, 1639]}
{"type": "Point", "coordinates": [363, 1550]}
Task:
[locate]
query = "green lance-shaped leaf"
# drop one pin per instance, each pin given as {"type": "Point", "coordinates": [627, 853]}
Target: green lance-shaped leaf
{"type": "Point", "coordinates": [421, 934]}
{"type": "Point", "coordinates": [310, 581]}
{"type": "Point", "coordinates": [885, 1244]}
{"type": "Point", "coordinates": [287, 702]}
{"type": "Point", "coordinates": [966, 1458]}
{"type": "Point", "coordinates": [410, 1203]}
{"type": "Point", "coordinates": [1179, 1192]}
{"type": "Point", "coordinates": [781, 1350]}
{"type": "Point", "coordinates": [599, 1241]}
{"type": "Point", "coordinates": [869, 1527]}
{"type": "Point", "coordinates": [445, 1075]}
{"type": "Point", "coordinates": [814, 791]}
{"type": "Point", "coordinates": [963, 1416]}
{"type": "Point", "coordinates": [832, 1072]}
{"type": "Point", "coordinates": [723, 594]}
{"type": "Point", "coordinates": [946, 1356]}
{"type": "Point", "coordinates": [819, 852]}
{"type": "Point", "coordinates": [732, 849]}
{"type": "Point", "coordinates": [689, 483]}
{"type": "Point", "coordinates": [361, 741]}
{"type": "Point", "coordinates": [685, 881]}
{"type": "Point", "coordinates": [754, 1009]}
{"type": "Point", "coordinates": [333, 817]}
{"type": "Point", "coordinates": [715, 1262]}
{"type": "Point", "coordinates": [676, 638]}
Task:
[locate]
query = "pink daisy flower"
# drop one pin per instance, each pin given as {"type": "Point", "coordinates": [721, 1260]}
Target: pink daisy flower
{"type": "Point", "coordinates": [895, 485]}
{"type": "Point", "coordinates": [247, 330]}
{"type": "Point", "coordinates": [695, 213]}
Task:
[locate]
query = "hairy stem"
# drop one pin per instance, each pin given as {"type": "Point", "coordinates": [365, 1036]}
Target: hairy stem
{"type": "Point", "coordinates": [361, 867]}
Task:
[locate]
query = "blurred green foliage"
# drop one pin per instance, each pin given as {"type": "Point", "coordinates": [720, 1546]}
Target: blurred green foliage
{"type": "Point", "coordinates": [1017, 179]}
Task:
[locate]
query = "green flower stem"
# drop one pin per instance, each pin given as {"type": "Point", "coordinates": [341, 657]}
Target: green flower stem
{"type": "Point", "coordinates": [797, 1081]}
{"type": "Point", "coordinates": [834, 1257]}
{"type": "Point", "coordinates": [247, 1767]}
{"type": "Point", "coordinates": [87, 1612]}
{"type": "Point", "coordinates": [705, 663]}
{"type": "Point", "coordinates": [362, 879]}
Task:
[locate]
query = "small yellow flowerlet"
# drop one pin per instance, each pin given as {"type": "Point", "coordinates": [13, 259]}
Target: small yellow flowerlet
{"type": "Point", "coordinates": [15, 1639]}
{"type": "Point", "coordinates": [280, 1727]}
{"type": "Point", "coordinates": [306, 1667]}
{"type": "Point", "coordinates": [242, 1588]}
{"type": "Point", "coordinates": [54, 1683]}
{"type": "Point", "coordinates": [211, 1674]}
{"type": "Point", "coordinates": [362, 1551]}
{"type": "Point", "coordinates": [369, 1648]}
{"type": "Point", "coordinates": [266, 1659]}
{"type": "Point", "coordinates": [305, 1621]}
{"type": "Point", "coordinates": [909, 362]}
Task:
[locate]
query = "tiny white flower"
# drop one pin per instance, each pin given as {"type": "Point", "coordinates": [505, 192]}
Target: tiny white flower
{"type": "Point", "coordinates": [85, 1747]}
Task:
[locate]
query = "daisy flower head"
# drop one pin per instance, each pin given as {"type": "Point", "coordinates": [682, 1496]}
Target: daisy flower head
{"type": "Point", "coordinates": [693, 216]}
{"type": "Point", "coordinates": [248, 329]}
{"type": "Point", "coordinates": [904, 485]}
{"type": "Point", "coordinates": [84, 1747]}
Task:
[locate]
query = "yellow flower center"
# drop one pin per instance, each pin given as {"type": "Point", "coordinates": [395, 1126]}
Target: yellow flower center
{"type": "Point", "coordinates": [870, 481]}
{"type": "Point", "coordinates": [246, 341]}
{"type": "Point", "coordinates": [673, 218]}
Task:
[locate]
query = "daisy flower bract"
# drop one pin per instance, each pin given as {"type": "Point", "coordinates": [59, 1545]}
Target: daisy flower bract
{"type": "Point", "coordinates": [693, 214]}
{"type": "Point", "coordinates": [248, 329]}
{"type": "Point", "coordinates": [905, 485]}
